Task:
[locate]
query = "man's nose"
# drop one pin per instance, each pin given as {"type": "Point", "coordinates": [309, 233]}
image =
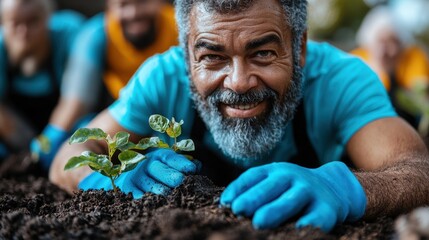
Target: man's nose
{"type": "Point", "coordinates": [240, 79]}
{"type": "Point", "coordinates": [129, 12]}
{"type": "Point", "coordinates": [22, 30]}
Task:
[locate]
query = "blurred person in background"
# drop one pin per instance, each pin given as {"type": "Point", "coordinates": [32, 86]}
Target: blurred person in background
{"type": "Point", "coordinates": [34, 48]}
{"type": "Point", "coordinates": [389, 50]}
{"type": "Point", "coordinates": [108, 50]}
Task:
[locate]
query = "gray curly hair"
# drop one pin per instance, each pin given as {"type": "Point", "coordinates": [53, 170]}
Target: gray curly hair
{"type": "Point", "coordinates": [295, 12]}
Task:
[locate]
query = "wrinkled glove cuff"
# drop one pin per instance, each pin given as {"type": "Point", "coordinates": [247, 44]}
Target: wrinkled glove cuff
{"type": "Point", "coordinates": [345, 184]}
{"type": "Point", "coordinates": [54, 133]}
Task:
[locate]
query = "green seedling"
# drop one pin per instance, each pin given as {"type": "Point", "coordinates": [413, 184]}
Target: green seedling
{"type": "Point", "coordinates": [129, 153]}
{"type": "Point", "coordinates": [128, 159]}
{"type": "Point", "coordinates": [173, 129]}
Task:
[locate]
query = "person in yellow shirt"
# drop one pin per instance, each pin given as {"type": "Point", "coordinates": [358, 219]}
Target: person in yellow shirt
{"type": "Point", "coordinates": [108, 50]}
{"type": "Point", "coordinates": [388, 50]}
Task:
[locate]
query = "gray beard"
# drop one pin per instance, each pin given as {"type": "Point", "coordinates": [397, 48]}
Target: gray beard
{"type": "Point", "coordinates": [249, 140]}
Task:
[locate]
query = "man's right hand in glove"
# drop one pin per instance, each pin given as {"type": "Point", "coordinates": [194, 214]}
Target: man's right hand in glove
{"type": "Point", "coordinates": [159, 173]}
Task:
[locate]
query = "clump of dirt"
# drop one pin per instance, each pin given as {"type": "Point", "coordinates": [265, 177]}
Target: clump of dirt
{"type": "Point", "coordinates": [33, 208]}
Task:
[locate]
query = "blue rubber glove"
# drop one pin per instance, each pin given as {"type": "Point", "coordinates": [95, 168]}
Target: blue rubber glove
{"type": "Point", "coordinates": [159, 173]}
{"type": "Point", "coordinates": [55, 137]}
{"type": "Point", "coordinates": [276, 192]}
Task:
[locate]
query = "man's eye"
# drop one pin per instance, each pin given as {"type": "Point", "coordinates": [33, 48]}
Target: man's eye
{"type": "Point", "coordinates": [211, 58]}
{"type": "Point", "coordinates": [265, 54]}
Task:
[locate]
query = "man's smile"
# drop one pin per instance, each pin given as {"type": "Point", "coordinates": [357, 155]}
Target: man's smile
{"type": "Point", "coordinates": [243, 110]}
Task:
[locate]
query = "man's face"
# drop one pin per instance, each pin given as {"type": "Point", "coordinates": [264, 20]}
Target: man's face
{"type": "Point", "coordinates": [137, 17]}
{"type": "Point", "coordinates": [242, 73]}
{"type": "Point", "coordinates": [25, 27]}
{"type": "Point", "coordinates": [387, 48]}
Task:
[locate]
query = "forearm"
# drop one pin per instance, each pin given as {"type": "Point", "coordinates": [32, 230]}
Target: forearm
{"type": "Point", "coordinates": [397, 188]}
{"type": "Point", "coordinates": [67, 112]}
{"type": "Point", "coordinates": [68, 180]}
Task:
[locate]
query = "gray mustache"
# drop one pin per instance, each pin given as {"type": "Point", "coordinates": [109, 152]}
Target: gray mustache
{"type": "Point", "coordinates": [227, 96]}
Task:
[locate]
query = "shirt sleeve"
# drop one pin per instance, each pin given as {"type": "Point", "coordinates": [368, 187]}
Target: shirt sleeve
{"type": "Point", "coordinates": [83, 75]}
{"type": "Point", "coordinates": [362, 100]}
{"type": "Point", "coordinates": [353, 96]}
{"type": "Point", "coordinates": [343, 96]}
{"type": "Point", "coordinates": [160, 86]}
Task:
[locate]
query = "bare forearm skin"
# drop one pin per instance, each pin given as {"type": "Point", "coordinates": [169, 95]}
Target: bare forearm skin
{"type": "Point", "coordinates": [398, 188]}
{"type": "Point", "coordinates": [68, 180]}
{"type": "Point", "coordinates": [67, 113]}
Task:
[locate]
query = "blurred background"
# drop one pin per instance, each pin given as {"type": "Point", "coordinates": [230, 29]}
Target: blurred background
{"type": "Point", "coordinates": [86, 7]}
{"type": "Point", "coordinates": [336, 21]}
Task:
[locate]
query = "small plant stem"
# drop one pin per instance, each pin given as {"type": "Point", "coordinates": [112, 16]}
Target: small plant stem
{"type": "Point", "coordinates": [113, 184]}
{"type": "Point", "coordinates": [175, 147]}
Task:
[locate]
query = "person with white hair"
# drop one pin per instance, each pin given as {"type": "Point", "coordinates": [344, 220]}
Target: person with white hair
{"type": "Point", "coordinates": [388, 48]}
{"type": "Point", "coordinates": [34, 48]}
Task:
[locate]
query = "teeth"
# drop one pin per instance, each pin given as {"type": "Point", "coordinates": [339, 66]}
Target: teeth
{"type": "Point", "coordinates": [245, 107]}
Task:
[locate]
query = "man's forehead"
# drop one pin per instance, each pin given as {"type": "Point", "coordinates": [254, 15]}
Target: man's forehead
{"type": "Point", "coordinates": [22, 7]}
{"type": "Point", "coordinates": [209, 11]}
{"type": "Point", "coordinates": [254, 21]}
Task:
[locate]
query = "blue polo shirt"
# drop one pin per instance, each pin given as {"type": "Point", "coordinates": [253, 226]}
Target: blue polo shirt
{"type": "Point", "coordinates": [341, 95]}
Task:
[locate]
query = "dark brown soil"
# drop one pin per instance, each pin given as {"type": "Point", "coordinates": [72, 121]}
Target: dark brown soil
{"type": "Point", "coordinates": [33, 208]}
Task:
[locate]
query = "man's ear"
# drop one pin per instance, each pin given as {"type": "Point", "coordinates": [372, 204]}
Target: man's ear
{"type": "Point", "coordinates": [303, 49]}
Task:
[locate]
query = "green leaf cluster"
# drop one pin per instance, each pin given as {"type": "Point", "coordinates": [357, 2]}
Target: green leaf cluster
{"type": "Point", "coordinates": [128, 157]}
{"type": "Point", "coordinates": [173, 129]}
{"type": "Point", "coordinates": [128, 153]}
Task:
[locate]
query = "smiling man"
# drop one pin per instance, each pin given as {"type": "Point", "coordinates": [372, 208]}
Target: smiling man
{"type": "Point", "coordinates": [275, 118]}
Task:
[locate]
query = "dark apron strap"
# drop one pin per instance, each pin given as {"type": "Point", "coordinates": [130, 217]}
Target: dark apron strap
{"type": "Point", "coordinates": [306, 155]}
{"type": "Point", "coordinates": [35, 110]}
{"type": "Point", "coordinates": [214, 166]}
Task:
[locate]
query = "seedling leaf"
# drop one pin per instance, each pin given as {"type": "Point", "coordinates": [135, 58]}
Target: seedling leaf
{"type": "Point", "coordinates": [91, 159]}
{"type": "Point", "coordinates": [175, 128]}
{"type": "Point", "coordinates": [84, 134]}
{"type": "Point", "coordinates": [129, 160]}
{"type": "Point", "coordinates": [146, 143]}
{"type": "Point", "coordinates": [113, 172]}
{"type": "Point", "coordinates": [185, 145]}
{"type": "Point", "coordinates": [158, 123]}
{"type": "Point", "coordinates": [121, 139]}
